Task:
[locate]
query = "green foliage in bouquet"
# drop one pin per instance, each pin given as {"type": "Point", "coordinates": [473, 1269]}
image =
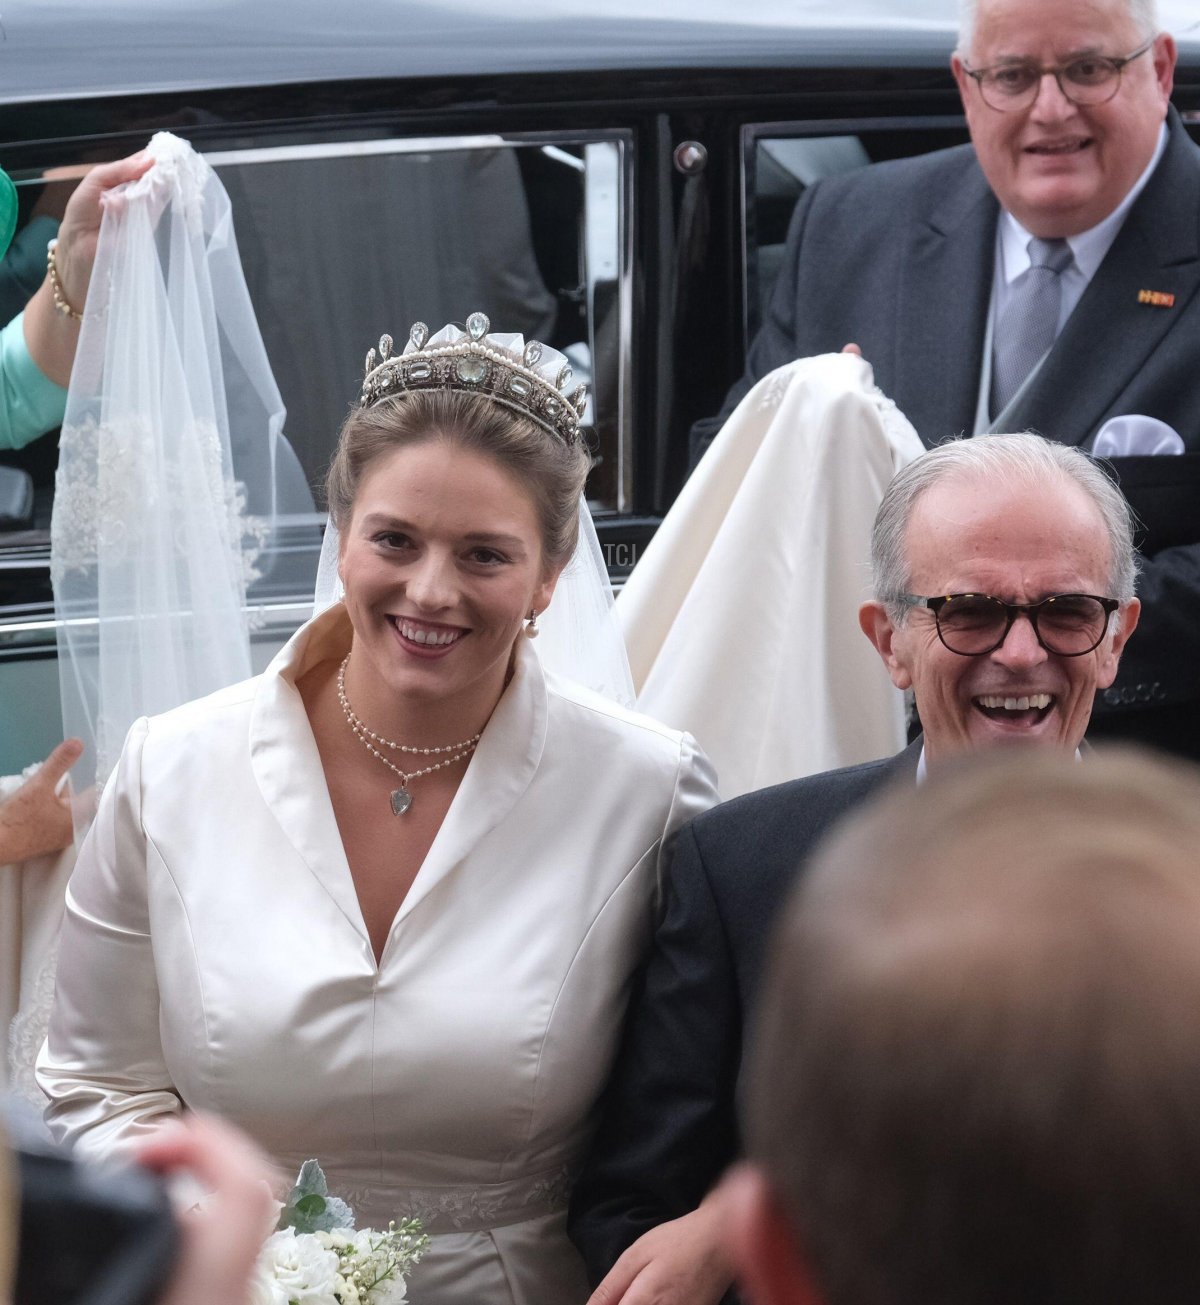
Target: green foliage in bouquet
{"type": "Point", "coordinates": [309, 1208]}
{"type": "Point", "coordinates": [316, 1257]}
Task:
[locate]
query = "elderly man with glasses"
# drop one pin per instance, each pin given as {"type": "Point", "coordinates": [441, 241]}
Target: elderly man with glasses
{"type": "Point", "coordinates": [1045, 277]}
{"type": "Point", "coordinates": [1003, 574]}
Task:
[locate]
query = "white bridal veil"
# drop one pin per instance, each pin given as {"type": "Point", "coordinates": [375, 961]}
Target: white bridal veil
{"type": "Point", "coordinates": [164, 504]}
{"type": "Point", "coordinates": [166, 481]}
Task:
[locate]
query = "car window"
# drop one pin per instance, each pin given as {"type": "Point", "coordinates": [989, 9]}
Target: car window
{"type": "Point", "coordinates": [780, 160]}
{"type": "Point", "coordinates": [342, 242]}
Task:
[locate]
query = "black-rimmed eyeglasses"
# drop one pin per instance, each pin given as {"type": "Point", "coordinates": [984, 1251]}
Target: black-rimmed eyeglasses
{"type": "Point", "coordinates": [1067, 625]}
{"type": "Point", "coordinates": [1088, 80]}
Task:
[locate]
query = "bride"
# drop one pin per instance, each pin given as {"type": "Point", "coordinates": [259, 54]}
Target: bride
{"type": "Point", "coordinates": [382, 905]}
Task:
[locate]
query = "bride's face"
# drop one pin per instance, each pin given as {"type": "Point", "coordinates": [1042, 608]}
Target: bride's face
{"type": "Point", "coordinates": [442, 562]}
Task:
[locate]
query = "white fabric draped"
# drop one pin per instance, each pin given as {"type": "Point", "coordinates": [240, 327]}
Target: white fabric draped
{"type": "Point", "coordinates": [166, 478]}
{"type": "Point", "coordinates": [741, 618]}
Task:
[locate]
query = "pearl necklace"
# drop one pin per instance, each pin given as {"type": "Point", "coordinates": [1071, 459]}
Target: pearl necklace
{"type": "Point", "coordinates": [401, 798]}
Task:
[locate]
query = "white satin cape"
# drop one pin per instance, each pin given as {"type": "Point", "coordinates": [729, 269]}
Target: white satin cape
{"type": "Point", "coordinates": [741, 618]}
{"type": "Point", "coordinates": [214, 954]}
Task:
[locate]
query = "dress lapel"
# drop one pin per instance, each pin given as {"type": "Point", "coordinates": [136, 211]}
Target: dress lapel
{"type": "Point", "coordinates": [942, 310]}
{"type": "Point", "coordinates": [287, 765]}
{"type": "Point", "coordinates": [1110, 335]}
{"type": "Point", "coordinates": [501, 770]}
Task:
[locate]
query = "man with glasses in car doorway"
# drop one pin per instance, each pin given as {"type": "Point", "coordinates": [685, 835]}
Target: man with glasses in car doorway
{"type": "Point", "coordinates": [1045, 277]}
{"type": "Point", "coordinates": [1003, 575]}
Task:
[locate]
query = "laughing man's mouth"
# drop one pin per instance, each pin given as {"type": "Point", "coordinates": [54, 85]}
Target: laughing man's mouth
{"type": "Point", "coordinates": [1028, 709]}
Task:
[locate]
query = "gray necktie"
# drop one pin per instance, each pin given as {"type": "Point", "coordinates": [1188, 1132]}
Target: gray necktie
{"type": "Point", "coordinates": [1027, 327]}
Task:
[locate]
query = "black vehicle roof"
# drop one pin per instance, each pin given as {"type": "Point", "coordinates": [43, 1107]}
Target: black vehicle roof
{"type": "Point", "coordinates": [59, 49]}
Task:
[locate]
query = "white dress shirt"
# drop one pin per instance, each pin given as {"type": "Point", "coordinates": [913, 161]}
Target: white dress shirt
{"type": "Point", "coordinates": [923, 765]}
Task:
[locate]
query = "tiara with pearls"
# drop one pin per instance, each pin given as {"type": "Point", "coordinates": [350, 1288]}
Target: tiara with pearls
{"type": "Point", "coordinates": [531, 379]}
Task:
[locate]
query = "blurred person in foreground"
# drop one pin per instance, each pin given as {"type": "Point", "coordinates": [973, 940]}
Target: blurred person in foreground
{"type": "Point", "coordinates": [1003, 575]}
{"type": "Point", "coordinates": [220, 1242]}
{"type": "Point", "coordinates": [975, 1074]}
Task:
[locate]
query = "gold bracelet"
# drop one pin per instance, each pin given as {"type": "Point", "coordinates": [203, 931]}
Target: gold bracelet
{"type": "Point", "coordinates": [60, 299]}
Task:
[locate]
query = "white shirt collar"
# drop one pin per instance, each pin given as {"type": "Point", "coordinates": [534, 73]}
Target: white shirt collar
{"type": "Point", "coordinates": [1089, 247]}
{"type": "Point", "coordinates": [923, 769]}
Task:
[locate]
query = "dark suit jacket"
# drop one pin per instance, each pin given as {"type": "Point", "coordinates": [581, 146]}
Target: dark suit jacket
{"type": "Point", "coordinates": [899, 258]}
{"type": "Point", "coordinates": [668, 1124]}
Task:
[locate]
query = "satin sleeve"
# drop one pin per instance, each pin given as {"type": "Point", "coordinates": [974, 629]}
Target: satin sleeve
{"type": "Point", "coordinates": [695, 791]}
{"type": "Point", "coordinates": [102, 1065]}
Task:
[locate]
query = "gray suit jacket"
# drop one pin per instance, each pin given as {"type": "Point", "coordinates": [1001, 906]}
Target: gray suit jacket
{"type": "Point", "coordinates": [668, 1122]}
{"type": "Point", "coordinates": [898, 257]}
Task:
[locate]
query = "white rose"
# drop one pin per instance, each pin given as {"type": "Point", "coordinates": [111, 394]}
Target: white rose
{"type": "Point", "coordinates": [364, 1240]}
{"type": "Point", "coordinates": [305, 1270]}
{"type": "Point", "coordinates": [264, 1290]}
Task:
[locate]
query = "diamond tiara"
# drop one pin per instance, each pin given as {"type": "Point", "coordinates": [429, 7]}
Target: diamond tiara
{"type": "Point", "coordinates": [531, 379]}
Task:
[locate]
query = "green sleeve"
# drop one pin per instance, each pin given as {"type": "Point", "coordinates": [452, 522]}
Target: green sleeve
{"type": "Point", "coordinates": [30, 403]}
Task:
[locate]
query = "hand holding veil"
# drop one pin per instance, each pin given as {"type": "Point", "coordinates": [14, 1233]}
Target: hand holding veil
{"type": "Point", "coordinates": [166, 478]}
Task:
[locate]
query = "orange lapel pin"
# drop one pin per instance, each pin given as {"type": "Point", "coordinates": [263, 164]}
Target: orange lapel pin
{"type": "Point", "coordinates": [1156, 298]}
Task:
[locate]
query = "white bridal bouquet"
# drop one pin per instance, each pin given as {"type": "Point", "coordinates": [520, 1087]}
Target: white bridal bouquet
{"type": "Point", "coordinates": [316, 1257]}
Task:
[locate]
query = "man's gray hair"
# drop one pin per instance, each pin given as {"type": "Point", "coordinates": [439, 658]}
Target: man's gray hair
{"type": "Point", "coordinates": [1143, 12]}
{"type": "Point", "coordinates": [1025, 458]}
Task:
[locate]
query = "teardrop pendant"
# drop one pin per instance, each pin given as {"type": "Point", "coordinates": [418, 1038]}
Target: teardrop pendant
{"type": "Point", "coordinates": [401, 801]}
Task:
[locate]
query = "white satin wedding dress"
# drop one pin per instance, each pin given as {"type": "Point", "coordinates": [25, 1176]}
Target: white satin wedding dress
{"type": "Point", "coordinates": [214, 955]}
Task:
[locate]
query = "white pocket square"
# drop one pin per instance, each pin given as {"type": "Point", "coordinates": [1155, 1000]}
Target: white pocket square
{"type": "Point", "coordinates": [1135, 436]}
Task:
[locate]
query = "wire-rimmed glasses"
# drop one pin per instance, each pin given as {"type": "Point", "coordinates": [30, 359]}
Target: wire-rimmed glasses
{"type": "Point", "coordinates": [1067, 625]}
{"type": "Point", "coordinates": [1087, 80]}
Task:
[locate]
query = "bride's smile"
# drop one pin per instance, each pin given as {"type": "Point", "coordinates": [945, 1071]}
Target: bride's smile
{"type": "Point", "coordinates": [425, 638]}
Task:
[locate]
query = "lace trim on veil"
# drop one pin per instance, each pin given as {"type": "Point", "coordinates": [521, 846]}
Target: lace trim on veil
{"type": "Point", "coordinates": [28, 1031]}
{"type": "Point", "coordinates": [100, 499]}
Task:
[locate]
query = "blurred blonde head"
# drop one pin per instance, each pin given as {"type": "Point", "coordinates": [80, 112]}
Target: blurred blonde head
{"type": "Point", "coordinates": [976, 1072]}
